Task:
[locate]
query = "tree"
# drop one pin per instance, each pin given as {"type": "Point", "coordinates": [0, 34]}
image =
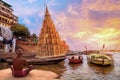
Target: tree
{"type": "Point", "coordinates": [34, 38]}
{"type": "Point", "coordinates": [20, 30]}
{"type": "Point", "coordinates": [34, 35]}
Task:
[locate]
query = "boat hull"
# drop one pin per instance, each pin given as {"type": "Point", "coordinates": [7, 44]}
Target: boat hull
{"type": "Point", "coordinates": [99, 61]}
{"type": "Point", "coordinates": [43, 61]}
{"type": "Point", "coordinates": [75, 61]}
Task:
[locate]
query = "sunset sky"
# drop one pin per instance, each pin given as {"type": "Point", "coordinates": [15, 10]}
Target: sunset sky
{"type": "Point", "coordinates": [80, 23]}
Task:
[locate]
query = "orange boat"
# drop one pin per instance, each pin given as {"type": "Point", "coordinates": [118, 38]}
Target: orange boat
{"type": "Point", "coordinates": [75, 59]}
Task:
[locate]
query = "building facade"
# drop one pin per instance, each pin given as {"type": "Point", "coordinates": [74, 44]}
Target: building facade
{"type": "Point", "coordinates": [7, 18]}
{"type": "Point", "coordinates": [49, 42]}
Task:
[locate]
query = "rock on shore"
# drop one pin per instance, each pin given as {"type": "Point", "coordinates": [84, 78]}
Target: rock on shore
{"type": "Point", "coordinates": [6, 74]}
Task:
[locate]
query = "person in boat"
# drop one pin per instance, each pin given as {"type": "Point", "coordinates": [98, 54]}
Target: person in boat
{"type": "Point", "coordinates": [19, 63]}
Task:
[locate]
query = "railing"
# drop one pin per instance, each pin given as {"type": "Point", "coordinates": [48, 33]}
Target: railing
{"type": "Point", "coordinates": [7, 15]}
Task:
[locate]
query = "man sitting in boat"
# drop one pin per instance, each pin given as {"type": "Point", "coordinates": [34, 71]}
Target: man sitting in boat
{"type": "Point", "coordinates": [18, 64]}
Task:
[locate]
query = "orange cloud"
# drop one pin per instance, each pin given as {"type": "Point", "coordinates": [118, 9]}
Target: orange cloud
{"type": "Point", "coordinates": [102, 5]}
{"type": "Point", "coordinates": [79, 32]}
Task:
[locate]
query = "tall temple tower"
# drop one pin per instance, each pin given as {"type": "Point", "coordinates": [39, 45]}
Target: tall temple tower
{"type": "Point", "coordinates": [49, 42]}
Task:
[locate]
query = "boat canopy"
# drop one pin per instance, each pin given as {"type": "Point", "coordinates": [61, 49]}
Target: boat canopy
{"type": "Point", "coordinates": [101, 55]}
{"type": "Point", "coordinates": [74, 57]}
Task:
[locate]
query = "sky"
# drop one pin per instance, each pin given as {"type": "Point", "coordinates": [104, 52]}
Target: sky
{"type": "Point", "coordinates": [80, 23]}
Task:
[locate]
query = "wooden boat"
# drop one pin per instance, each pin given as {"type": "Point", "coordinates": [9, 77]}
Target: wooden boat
{"type": "Point", "coordinates": [11, 55]}
{"type": "Point", "coordinates": [42, 61]}
{"type": "Point", "coordinates": [75, 59]}
{"type": "Point", "coordinates": [100, 58]}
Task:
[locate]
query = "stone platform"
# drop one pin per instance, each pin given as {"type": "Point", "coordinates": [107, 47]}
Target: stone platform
{"type": "Point", "coordinates": [33, 75]}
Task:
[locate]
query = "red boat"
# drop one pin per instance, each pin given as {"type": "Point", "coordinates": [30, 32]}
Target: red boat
{"type": "Point", "coordinates": [75, 59]}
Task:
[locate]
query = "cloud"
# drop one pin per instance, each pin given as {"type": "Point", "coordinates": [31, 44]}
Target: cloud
{"type": "Point", "coordinates": [102, 5]}
{"type": "Point", "coordinates": [31, 1]}
{"type": "Point", "coordinates": [89, 26]}
{"type": "Point", "coordinates": [52, 3]}
{"type": "Point", "coordinates": [27, 21]}
{"type": "Point", "coordinates": [71, 10]}
{"type": "Point", "coordinates": [29, 13]}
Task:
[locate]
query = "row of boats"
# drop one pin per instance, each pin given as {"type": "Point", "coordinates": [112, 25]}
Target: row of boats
{"type": "Point", "coordinates": [100, 58]}
{"type": "Point", "coordinates": [95, 58]}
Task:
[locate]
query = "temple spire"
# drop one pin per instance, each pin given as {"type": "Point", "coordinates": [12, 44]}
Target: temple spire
{"type": "Point", "coordinates": [49, 41]}
{"type": "Point", "coordinates": [47, 12]}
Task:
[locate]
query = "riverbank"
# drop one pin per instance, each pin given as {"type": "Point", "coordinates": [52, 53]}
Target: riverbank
{"type": "Point", "coordinates": [33, 75]}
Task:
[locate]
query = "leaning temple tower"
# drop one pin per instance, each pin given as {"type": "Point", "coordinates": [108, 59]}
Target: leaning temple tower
{"type": "Point", "coordinates": [49, 42]}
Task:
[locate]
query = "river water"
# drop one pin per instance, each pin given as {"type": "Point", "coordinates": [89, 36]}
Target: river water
{"type": "Point", "coordinates": [83, 71]}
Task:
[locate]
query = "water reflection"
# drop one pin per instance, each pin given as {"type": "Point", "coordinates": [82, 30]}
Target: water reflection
{"type": "Point", "coordinates": [74, 66]}
{"type": "Point", "coordinates": [101, 69]}
{"type": "Point", "coordinates": [87, 71]}
{"type": "Point", "coordinates": [57, 68]}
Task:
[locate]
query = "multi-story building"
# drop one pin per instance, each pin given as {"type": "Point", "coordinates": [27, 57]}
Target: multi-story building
{"type": "Point", "coordinates": [7, 18]}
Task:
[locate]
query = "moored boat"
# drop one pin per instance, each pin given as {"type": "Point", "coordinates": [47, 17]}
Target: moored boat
{"type": "Point", "coordinates": [42, 61]}
{"type": "Point", "coordinates": [75, 59]}
{"type": "Point", "coordinates": [100, 58]}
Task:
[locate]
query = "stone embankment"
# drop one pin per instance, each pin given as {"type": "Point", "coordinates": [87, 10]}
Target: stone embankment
{"type": "Point", "coordinates": [6, 74]}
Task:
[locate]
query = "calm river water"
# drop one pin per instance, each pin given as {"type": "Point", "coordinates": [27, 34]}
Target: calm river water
{"type": "Point", "coordinates": [83, 71]}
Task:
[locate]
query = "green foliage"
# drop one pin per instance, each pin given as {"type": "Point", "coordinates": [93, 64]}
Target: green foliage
{"type": "Point", "coordinates": [20, 30]}
{"type": "Point", "coordinates": [34, 35]}
{"type": "Point", "coordinates": [34, 38]}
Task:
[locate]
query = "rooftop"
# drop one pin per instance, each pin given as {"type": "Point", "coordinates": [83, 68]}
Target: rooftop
{"type": "Point", "coordinates": [4, 3]}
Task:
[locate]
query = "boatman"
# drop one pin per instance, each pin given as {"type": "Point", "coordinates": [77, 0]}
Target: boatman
{"type": "Point", "coordinates": [19, 63]}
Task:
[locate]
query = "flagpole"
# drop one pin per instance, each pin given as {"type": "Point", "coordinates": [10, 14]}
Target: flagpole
{"type": "Point", "coordinates": [103, 47]}
{"type": "Point", "coordinates": [86, 50]}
